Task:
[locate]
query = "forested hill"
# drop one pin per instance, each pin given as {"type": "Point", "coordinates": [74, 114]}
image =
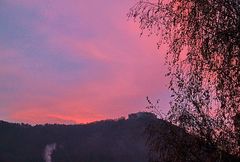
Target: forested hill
{"type": "Point", "coordinates": [121, 140]}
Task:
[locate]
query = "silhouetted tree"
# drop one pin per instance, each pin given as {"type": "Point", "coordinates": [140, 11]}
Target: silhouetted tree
{"type": "Point", "coordinates": [203, 37]}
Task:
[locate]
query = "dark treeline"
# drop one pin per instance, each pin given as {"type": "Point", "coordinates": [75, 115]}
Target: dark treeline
{"type": "Point", "coordinates": [121, 140]}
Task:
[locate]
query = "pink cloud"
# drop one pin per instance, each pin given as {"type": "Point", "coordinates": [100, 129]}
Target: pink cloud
{"type": "Point", "coordinates": [134, 66]}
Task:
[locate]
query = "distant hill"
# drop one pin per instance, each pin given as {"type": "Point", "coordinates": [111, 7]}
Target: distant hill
{"type": "Point", "coordinates": [120, 140]}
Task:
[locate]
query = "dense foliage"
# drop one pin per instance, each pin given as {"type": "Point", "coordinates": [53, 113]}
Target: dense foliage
{"type": "Point", "coordinates": [203, 37]}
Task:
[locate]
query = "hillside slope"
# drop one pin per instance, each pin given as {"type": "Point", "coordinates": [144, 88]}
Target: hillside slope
{"type": "Point", "coordinates": [104, 141]}
{"type": "Point", "coordinates": [122, 140]}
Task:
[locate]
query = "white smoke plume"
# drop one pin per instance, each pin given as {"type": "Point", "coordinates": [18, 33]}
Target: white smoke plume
{"type": "Point", "coordinates": [48, 152]}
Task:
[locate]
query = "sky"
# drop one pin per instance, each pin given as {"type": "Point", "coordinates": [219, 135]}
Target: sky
{"type": "Point", "coordinates": [76, 61]}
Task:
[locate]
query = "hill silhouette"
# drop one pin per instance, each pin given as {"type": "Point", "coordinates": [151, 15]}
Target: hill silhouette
{"type": "Point", "coordinates": [120, 140]}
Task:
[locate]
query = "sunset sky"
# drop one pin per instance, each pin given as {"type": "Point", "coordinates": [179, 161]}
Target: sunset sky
{"type": "Point", "coordinates": [75, 61]}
